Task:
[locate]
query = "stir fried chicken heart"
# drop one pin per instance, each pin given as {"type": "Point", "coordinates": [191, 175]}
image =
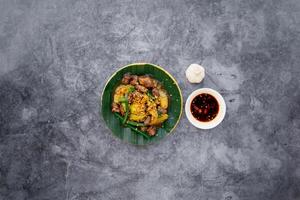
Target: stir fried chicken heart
{"type": "Point", "coordinates": [141, 88]}
{"type": "Point", "coordinates": [146, 81]}
{"type": "Point", "coordinates": [151, 130]}
{"type": "Point", "coordinates": [155, 92]}
{"type": "Point", "coordinates": [134, 80]}
{"type": "Point", "coordinates": [115, 107]}
{"type": "Point", "coordinates": [147, 121]}
{"type": "Point", "coordinates": [126, 78]}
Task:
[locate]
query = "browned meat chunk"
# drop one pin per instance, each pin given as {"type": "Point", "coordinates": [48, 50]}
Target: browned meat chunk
{"type": "Point", "coordinates": [143, 128]}
{"type": "Point", "coordinates": [151, 130]}
{"type": "Point", "coordinates": [146, 81]}
{"type": "Point", "coordinates": [155, 92]}
{"type": "Point", "coordinates": [134, 80]}
{"type": "Point", "coordinates": [141, 88]}
{"type": "Point", "coordinates": [130, 97]}
{"type": "Point", "coordinates": [115, 107]}
{"type": "Point", "coordinates": [147, 121]}
{"type": "Point", "coordinates": [156, 84]}
{"type": "Point", "coordinates": [161, 110]}
{"type": "Point", "coordinates": [122, 110]}
{"type": "Point", "coordinates": [126, 78]}
{"type": "Point", "coordinates": [136, 95]}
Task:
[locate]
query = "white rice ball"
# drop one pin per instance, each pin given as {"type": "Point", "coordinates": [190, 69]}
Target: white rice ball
{"type": "Point", "coordinates": [195, 73]}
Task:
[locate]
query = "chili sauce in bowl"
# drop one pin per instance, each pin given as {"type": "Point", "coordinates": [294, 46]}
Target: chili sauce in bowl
{"type": "Point", "coordinates": [205, 108]}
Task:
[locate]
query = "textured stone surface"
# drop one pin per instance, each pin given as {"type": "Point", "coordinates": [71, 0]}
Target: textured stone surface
{"type": "Point", "coordinates": [56, 56]}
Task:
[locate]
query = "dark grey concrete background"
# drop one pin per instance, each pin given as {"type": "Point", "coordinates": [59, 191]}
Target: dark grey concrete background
{"type": "Point", "coordinates": [56, 56]}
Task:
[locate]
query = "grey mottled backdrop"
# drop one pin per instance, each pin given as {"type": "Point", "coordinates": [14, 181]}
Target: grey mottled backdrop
{"type": "Point", "coordinates": [56, 56]}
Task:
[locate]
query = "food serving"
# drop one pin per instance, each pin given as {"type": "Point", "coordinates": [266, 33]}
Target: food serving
{"type": "Point", "coordinates": [159, 86]}
{"type": "Point", "coordinates": [141, 103]}
{"type": "Point", "coordinates": [205, 108]}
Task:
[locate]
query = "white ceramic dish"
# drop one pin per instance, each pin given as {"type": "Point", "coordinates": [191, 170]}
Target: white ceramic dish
{"type": "Point", "coordinates": [210, 124]}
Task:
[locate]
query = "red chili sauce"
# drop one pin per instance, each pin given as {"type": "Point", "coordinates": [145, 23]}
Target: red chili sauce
{"type": "Point", "coordinates": [204, 107]}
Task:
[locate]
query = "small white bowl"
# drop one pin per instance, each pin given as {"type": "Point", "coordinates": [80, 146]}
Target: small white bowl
{"type": "Point", "coordinates": [210, 124]}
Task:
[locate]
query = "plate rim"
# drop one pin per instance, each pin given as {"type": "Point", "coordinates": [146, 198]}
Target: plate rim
{"type": "Point", "coordinates": [158, 67]}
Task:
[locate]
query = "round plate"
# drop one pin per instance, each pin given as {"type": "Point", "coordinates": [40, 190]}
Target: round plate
{"type": "Point", "coordinates": [174, 109]}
